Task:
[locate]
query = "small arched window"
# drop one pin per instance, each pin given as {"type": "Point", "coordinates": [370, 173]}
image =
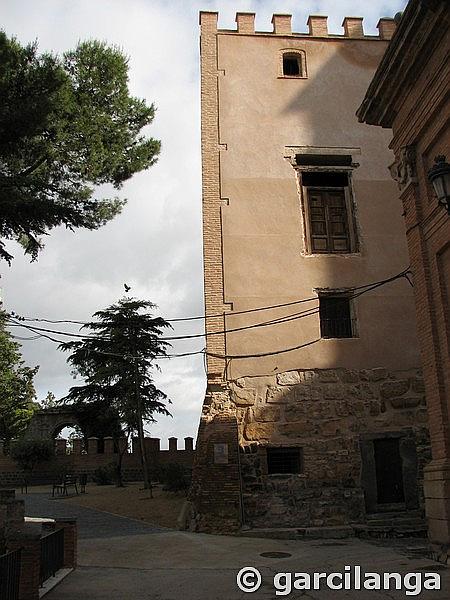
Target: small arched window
{"type": "Point", "coordinates": [293, 64]}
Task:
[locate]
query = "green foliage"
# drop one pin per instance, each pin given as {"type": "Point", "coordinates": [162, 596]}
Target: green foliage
{"type": "Point", "coordinates": [16, 388]}
{"type": "Point", "coordinates": [105, 475]}
{"type": "Point", "coordinates": [67, 125]}
{"type": "Point", "coordinates": [97, 418]}
{"type": "Point", "coordinates": [49, 401]}
{"type": "Point", "coordinates": [174, 477]}
{"type": "Point", "coordinates": [116, 361]}
{"type": "Point", "coordinates": [29, 453]}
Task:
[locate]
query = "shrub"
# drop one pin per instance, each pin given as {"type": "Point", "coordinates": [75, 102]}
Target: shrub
{"type": "Point", "coordinates": [29, 453]}
{"type": "Point", "coordinates": [105, 475]}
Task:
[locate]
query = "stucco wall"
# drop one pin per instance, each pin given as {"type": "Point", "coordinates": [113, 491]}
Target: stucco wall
{"type": "Point", "coordinates": [264, 260]}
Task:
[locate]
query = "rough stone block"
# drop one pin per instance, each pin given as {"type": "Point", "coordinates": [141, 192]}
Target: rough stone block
{"type": "Point", "coordinates": [331, 427]}
{"type": "Point", "coordinates": [243, 397]}
{"type": "Point", "coordinates": [281, 395]}
{"type": "Point", "coordinates": [341, 408]}
{"type": "Point", "coordinates": [378, 374]}
{"type": "Point", "coordinates": [295, 428]}
{"type": "Point", "coordinates": [357, 407]}
{"type": "Point", "coordinates": [364, 375]}
{"type": "Point", "coordinates": [395, 388]}
{"type": "Point", "coordinates": [328, 376]}
{"type": "Point", "coordinates": [296, 412]}
{"type": "Point", "coordinates": [374, 408]}
{"type": "Point", "coordinates": [266, 414]}
{"type": "Point", "coordinates": [289, 378]}
{"type": "Point", "coordinates": [334, 392]}
{"type": "Point", "coordinates": [365, 391]}
{"type": "Point", "coordinates": [349, 376]}
{"type": "Point", "coordinates": [258, 431]}
{"type": "Point", "coordinates": [406, 402]}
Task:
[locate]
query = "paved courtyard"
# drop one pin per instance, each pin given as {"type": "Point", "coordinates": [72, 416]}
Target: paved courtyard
{"type": "Point", "coordinates": [123, 559]}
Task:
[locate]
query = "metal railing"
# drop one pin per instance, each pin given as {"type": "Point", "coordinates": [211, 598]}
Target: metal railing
{"type": "Point", "coordinates": [52, 554]}
{"type": "Point", "coordinates": [10, 575]}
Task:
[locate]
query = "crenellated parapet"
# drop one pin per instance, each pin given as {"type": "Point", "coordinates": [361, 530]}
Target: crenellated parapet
{"type": "Point", "coordinates": [317, 26]}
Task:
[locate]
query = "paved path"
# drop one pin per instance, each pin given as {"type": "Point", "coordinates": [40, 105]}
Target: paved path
{"type": "Point", "coordinates": [92, 524]}
{"type": "Point", "coordinates": [123, 559]}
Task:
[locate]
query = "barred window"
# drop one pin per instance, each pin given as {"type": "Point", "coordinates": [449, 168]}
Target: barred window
{"type": "Point", "coordinates": [335, 316]}
{"type": "Point", "coordinates": [284, 460]}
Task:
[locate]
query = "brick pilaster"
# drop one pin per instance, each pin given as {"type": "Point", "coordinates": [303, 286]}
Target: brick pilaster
{"type": "Point", "coordinates": [212, 222]}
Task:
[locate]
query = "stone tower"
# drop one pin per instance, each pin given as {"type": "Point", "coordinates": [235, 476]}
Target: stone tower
{"type": "Point", "coordinates": [314, 412]}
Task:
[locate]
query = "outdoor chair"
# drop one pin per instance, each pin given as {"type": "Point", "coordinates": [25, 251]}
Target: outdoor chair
{"type": "Point", "coordinates": [61, 486]}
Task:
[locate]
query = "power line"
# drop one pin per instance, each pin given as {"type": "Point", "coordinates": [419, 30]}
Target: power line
{"type": "Point", "coordinates": [403, 273]}
{"type": "Point", "coordinates": [262, 354]}
{"type": "Point", "coordinates": [41, 335]}
{"type": "Point", "coordinates": [309, 312]}
{"type": "Point", "coordinates": [294, 316]}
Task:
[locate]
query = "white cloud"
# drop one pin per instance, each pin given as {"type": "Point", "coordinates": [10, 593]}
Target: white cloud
{"type": "Point", "coordinates": [155, 245]}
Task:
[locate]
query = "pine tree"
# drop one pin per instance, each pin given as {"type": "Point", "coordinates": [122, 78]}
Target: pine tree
{"type": "Point", "coordinates": [116, 360]}
{"type": "Point", "coordinates": [67, 125]}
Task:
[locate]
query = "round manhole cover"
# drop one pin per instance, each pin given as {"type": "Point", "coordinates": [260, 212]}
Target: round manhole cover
{"type": "Point", "coordinates": [275, 554]}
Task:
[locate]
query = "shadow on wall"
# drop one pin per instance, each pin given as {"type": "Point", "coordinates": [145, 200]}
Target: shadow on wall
{"type": "Point", "coordinates": [326, 447]}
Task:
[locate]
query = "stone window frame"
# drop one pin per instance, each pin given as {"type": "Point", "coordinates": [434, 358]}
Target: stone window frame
{"type": "Point", "coordinates": [301, 58]}
{"type": "Point", "coordinates": [349, 192]}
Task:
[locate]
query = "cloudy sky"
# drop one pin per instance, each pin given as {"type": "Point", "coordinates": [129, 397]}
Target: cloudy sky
{"type": "Point", "coordinates": [155, 244]}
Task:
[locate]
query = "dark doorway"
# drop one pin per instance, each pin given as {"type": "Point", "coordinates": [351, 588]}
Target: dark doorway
{"type": "Point", "coordinates": [389, 471]}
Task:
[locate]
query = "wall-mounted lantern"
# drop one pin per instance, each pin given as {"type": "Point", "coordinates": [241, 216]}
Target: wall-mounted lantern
{"type": "Point", "coordinates": [439, 176]}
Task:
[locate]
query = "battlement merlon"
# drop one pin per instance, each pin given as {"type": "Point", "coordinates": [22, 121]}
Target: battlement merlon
{"type": "Point", "coordinates": [317, 26]}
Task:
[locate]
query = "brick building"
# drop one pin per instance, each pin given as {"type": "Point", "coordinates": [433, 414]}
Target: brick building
{"type": "Point", "coordinates": [314, 414]}
{"type": "Point", "coordinates": [410, 94]}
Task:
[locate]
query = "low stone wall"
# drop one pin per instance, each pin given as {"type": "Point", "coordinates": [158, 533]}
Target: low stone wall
{"type": "Point", "coordinates": [335, 418]}
{"type": "Point", "coordinates": [89, 459]}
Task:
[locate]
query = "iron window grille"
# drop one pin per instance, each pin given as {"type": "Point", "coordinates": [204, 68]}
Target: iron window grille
{"type": "Point", "coordinates": [335, 316]}
{"type": "Point", "coordinates": [284, 460]}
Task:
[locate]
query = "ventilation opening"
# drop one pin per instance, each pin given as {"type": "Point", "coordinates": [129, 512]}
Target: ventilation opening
{"type": "Point", "coordinates": [291, 66]}
{"type": "Point", "coordinates": [284, 460]}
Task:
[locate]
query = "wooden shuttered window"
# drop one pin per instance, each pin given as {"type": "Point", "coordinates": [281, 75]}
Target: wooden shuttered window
{"type": "Point", "coordinates": [328, 221]}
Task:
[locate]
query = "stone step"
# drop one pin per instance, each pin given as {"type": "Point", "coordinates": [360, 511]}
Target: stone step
{"type": "Point", "coordinates": [397, 516]}
{"type": "Point", "coordinates": [396, 523]}
{"type": "Point", "coordinates": [300, 533]}
{"type": "Point", "coordinates": [397, 530]}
